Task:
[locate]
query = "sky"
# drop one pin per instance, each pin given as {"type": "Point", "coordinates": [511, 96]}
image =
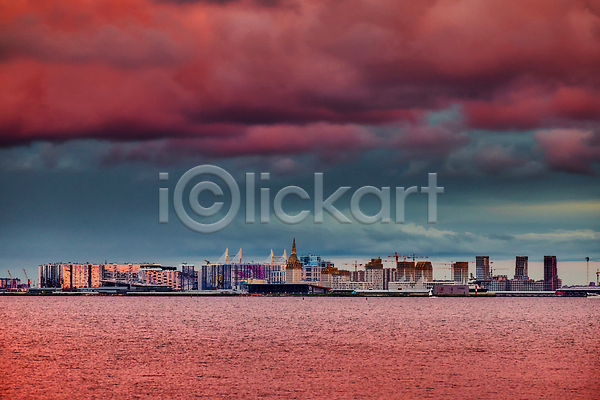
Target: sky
{"type": "Point", "coordinates": [501, 99]}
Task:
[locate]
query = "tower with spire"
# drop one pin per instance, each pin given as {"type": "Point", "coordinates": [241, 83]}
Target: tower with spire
{"type": "Point", "coordinates": [293, 267]}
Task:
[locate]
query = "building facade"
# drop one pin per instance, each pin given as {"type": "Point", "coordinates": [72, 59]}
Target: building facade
{"type": "Point", "coordinates": [70, 276]}
{"type": "Point", "coordinates": [424, 271]}
{"type": "Point", "coordinates": [460, 272]}
{"type": "Point", "coordinates": [49, 275]}
{"type": "Point", "coordinates": [405, 271]}
{"type": "Point", "coordinates": [160, 276]}
{"type": "Point", "coordinates": [522, 267]}
{"type": "Point", "coordinates": [293, 267]}
{"type": "Point", "coordinates": [122, 273]}
{"type": "Point", "coordinates": [234, 275]}
{"type": "Point", "coordinates": [188, 278]}
{"type": "Point", "coordinates": [551, 273]}
{"type": "Point", "coordinates": [374, 273]}
{"type": "Point", "coordinates": [389, 275]}
{"type": "Point", "coordinates": [75, 276]}
{"type": "Point", "coordinates": [482, 268]}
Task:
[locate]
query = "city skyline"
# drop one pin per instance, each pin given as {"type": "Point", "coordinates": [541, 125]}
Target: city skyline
{"type": "Point", "coordinates": [232, 272]}
{"type": "Point", "coordinates": [573, 272]}
{"type": "Point", "coordinates": [495, 268]}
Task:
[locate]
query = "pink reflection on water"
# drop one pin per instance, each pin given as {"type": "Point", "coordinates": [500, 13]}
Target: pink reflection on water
{"type": "Point", "coordinates": [282, 347]}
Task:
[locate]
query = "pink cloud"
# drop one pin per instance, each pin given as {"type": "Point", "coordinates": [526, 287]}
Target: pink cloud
{"type": "Point", "coordinates": [322, 139]}
{"type": "Point", "coordinates": [570, 150]}
{"type": "Point", "coordinates": [250, 77]}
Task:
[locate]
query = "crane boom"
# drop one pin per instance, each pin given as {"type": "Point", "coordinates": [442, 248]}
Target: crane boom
{"type": "Point", "coordinates": [12, 282]}
{"type": "Point", "coordinates": [413, 256]}
{"type": "Point", "coordinates": [26, 277]}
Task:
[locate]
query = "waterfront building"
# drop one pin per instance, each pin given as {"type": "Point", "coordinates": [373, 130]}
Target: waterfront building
{"type": "Point", "coordinates": [232, 276]}
{"type": "Point", "coordinates": [421, 286]}
{"type": "Point", "coordinates": [550, 273]}
{"type": "Point", "coordinates": [357, 276]}
{"type": "Point", "coordinates": [521, 268]}
{"type": "Point", "coordinates": [460, 272]}
{"type": "Point", "coordinates": [73, 276]}
{"type": "Point", "coordinates": [293, 267]}
{"type": "Point", "coordinates": [482, 268]}
{"type": "Point", "coordinates": [312, 266]}
{"type": "Point", "coordinates": [408, 286]}
{"type": "Point", "coordinates": [231, 273]}
{"type": "Point", "coordinates": [334, 278]}
{"type": "Point", "coordinates": [188, 278]}
{"type": "Point", "coordinates": [405, 271]}
{"type": "Point", "coordinates": [122, 273]}
{"type": "Point", "coordinates": [81, 276]}
{"type": "Point", "coordinates": [278, 277]}
{"type": "Point", "coordinates": [69, 276]}
{"type": "Point", "coordinates": [389, 275]}
{"type": "Point", "coordinates": [353, 285]}
{"type": "Point", "coordinates": [159, 275]}
{"type": "Point", "coordinates": [10, 283]}
{"type": "Point", "coordinates": [49, 275]}
{"type": "Point", "coordinates": [445, 290]}
{"type": "Point", "coordinates": [374, 273]}
{"type": "Point", "coordinates": [524, 285]}
{"type": "Point", "coordinates": [498, 283]}
{"type": "Point", "coordinates": [424, 271]}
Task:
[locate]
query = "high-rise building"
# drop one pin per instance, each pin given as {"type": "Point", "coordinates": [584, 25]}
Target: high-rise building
{"type": "Point", "coordinates": [334, 278]}
{"type": "Point", "coordinates": [406, 271]}
{"type": "Point", "coordinates": [188, 277]}
{"type": "Point", "coordinates": [293, 267]}
{"type": "Point", "coordinates": [460, 272]}
{"type": "Point", "coordinates": [389, 275]}
{"type": "Point", "coordinates": [70, 276]}
{"type": "Point", "coordinates": [49, 275]}
{"type": "Point", "coordinates": [482, 268]}
{"type": "Point", "coordinates": [374, 273]}
{"type": "Point", "coordinates": [159, 275]}
{"type": "Point", "coordinates": [357, 276]}
{"type": "Point", "coordinates": [312, 266]}
{"type": "Point", "coordinates": [521, 267]}
{"type": "Point", "coordinates": [551, 281]}
{"type": "Point", "coordinates": [424, 271]}
{"type": "Point", "coordinates": [123, 273]}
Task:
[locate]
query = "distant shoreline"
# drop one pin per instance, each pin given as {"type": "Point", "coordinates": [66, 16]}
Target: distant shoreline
{"type": "Point", "coordinates": [237, 294]}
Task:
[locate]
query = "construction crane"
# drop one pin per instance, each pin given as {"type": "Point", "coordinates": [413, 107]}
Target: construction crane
{"type": "Point", "coordinates": [413, 256]}
{"type": "Point", "coordinates": [395, 256]}
{"type": "Point", "coordinates": [26, 277]}
{"type": "Point", "coordinates": [495, 269]}
{"type": "Point", "coordinates": [598, 277]}
{"type": "Point", "coordinates": [11, 279]}
{"type": "Point", "coordinates": [587, 280]}
{"type": "Point", "coordinates": [356, 265]}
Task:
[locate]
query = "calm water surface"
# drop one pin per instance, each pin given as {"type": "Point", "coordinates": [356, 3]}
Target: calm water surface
{"type": "Point", "coordinates": [290, 347]}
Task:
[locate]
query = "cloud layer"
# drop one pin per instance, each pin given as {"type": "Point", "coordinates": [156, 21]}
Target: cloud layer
{"type": "Point", "coordinates": [269, 77]}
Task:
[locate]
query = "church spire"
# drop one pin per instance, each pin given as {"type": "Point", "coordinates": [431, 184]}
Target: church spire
{"type": "Point", "coordinates": [292, 261]}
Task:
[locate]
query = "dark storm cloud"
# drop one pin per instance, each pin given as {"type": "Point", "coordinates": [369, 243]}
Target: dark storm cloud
{"type": "Point", "coordinates": [165, 70]}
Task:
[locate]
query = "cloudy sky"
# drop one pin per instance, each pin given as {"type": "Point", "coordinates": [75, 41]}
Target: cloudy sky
{"type": "Point", "coordinates": [500, 98]}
